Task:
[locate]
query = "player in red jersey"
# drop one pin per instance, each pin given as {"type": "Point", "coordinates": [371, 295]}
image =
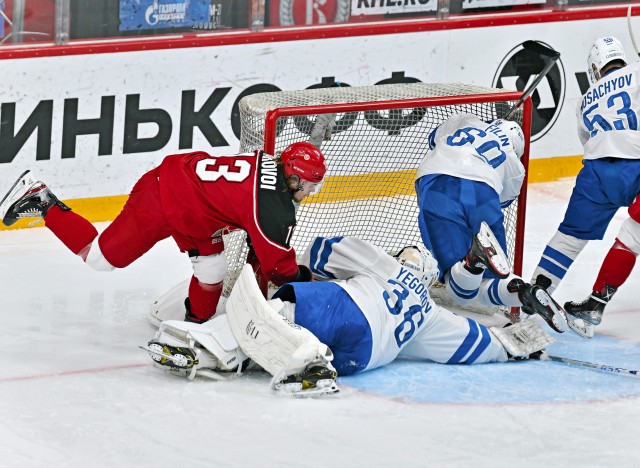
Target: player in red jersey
{"type": "Point", "coordinates": [194, 198]}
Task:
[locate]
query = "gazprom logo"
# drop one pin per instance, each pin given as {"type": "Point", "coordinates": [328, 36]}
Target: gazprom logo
{"type": "Point", "coordinates": [518, 70]}
{"type": "Point", "coordinates": [165, 12]}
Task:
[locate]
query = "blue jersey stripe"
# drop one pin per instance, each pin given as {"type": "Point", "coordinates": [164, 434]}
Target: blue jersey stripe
{"type": "Point", "coordinates": [313, 256]}
{"type": "Point", "coordinates": [494, 297]}
{"type": "Point", "coordinates": [482, 346]}
{"type": "Point", "coordinates": [466, 345]}
{"type": "Point", "coordinates": [320, 252]}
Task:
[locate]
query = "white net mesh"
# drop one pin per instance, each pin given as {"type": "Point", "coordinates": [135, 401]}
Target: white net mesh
{"type": "Point", "coordinates": [378, 136]}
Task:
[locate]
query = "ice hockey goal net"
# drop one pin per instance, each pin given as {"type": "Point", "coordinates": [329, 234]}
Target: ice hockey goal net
{"type": "Point", "coordinates": [374, 138]}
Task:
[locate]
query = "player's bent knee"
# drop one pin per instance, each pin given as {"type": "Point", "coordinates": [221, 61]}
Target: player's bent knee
{"type": "Point", "coordinates": [95, 258]}
{"type": "Point", "coordinates": [629, 235]}
{"type": "Point", "coordinates": [210, 269]}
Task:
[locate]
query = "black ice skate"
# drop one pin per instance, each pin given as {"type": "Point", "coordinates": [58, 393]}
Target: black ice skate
{"type": "Point", "coordinates": [486, 253]}
{"type": "Point", "coordinates": [188, 316]}
{"type": "Point", "coordinates": [591, 309]}
{"type": "Point", "coordinates": [536, 300]}
{"type": "Point", "coordinates": [27, 198]}
{"type": "Point", "coordinates": [316, 379]}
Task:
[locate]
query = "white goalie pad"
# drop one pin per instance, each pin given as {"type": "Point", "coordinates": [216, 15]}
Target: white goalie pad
{"type": "Point", "coordinates": [201, 348]}
{"type": "Point", "coordinates": [170, 306]}
{"type": "Point", "coordinates": [523, 338]}
{"type": "Point", "coordinates": [279, 346]}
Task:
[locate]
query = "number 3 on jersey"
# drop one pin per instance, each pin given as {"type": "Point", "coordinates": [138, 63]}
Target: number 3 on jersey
{"type": "Point", "coordinates": [210, 170]}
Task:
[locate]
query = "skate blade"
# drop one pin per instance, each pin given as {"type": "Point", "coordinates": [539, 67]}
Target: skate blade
{"type": "Point", "coordinates": [15, 188]}
{"type": "Point", "coordinates": [558, 320]}
{"type": "Point", "coordinates": [159, 354]}
{"type": "Point", "coordinates": [586, 330]}
{"type": "Point", "coordinates": [15, 184]}
{"type": "Point", "coordinates": [322, 388]}
{"type": "Point", "coordinates": [498, 259]}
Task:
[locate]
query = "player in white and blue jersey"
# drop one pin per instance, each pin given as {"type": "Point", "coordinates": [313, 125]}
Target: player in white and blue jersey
{"type": "Point", "coordinates": [610, 179]}
{"type": "Point", "coordinates": [365, 306]}
{"type": "Point", "coordinates": [377, 306]}
{"type": "Point", "coordinates": [470, 173]}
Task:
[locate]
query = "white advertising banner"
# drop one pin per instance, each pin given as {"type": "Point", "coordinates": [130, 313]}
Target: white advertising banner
{"type": "Point", "coordinates": [467, 4]}
{"type": "Point", "coordinates": [392, 7]}
{"type": "Point", "coordinates": [93, 124]}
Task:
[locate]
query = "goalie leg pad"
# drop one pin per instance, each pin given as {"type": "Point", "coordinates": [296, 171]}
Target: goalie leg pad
{"type": "Point", "coordinates": [189, 348]}
{"type": "Point", "coordinates": [170, 306]}
{"type": "Point", "coordinates": [522, 339]}
{"type": "Point", "coordinates": [281, 347]}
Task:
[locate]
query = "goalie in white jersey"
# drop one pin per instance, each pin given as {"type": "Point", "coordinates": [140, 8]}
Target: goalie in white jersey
{"type": "Point", "coordinates": [471, 172]}
{"type": "Point", "coordinates": [372, 308]}
{"type": "Point", "coordinates": [610, 178]}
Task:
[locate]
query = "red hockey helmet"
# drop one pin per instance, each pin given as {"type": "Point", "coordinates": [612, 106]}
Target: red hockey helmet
{"type": "Point", "coordinates": [305, 161]}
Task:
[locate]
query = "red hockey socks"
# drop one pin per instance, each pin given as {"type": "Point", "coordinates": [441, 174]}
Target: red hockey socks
{"type": "Point", "coordinates": [72, 229]}
{"type": "Point", "coordinates": [204, 298]}
{"type": "Point", "coordinates": [616, 267]}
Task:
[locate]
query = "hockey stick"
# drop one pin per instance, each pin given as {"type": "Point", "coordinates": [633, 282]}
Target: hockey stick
{"type": "Point", "coordinates": [633, 38]}
{"type": "Point", "coordinates": [322, 129]}
{"type": "Point", "coordinates": [13, 186]}
{"type": "Point", "coordinates": [590, 365]}
{"type": "Point", "coordinates": [551, 56]}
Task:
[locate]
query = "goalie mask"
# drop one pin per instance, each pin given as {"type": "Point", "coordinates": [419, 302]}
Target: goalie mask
{"type": "Point", "coordinates": [302, 162]}
{"type": "Point", "coordinates": [514, 133]}
{"type": "Point", "coordinates": [604, 51]}
{"type": "Point", "coordinates": [420, 261]}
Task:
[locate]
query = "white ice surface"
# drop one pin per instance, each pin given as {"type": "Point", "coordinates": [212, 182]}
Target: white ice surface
{"type": "Point", "coordinates": [75, 391]}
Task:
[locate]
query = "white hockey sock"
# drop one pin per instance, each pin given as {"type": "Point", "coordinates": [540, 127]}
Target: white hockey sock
{"type": "Point", "coordinates": [462, 284]}
{"type": "Point", "coordinates": [494, 292]}
{"type": "Point", "coordinates": [557, 258]}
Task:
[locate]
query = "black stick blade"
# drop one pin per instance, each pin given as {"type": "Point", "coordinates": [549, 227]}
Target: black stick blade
{"type": "Point", "coordinates": [541, 49]}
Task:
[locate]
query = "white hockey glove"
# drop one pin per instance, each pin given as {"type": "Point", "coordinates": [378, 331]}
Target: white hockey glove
{"type": "Point", "coordinates": [188, 349]}
{"type": "Point", "coordinates": [522, 339]}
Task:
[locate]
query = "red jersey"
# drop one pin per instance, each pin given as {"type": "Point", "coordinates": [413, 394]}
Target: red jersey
{"type": "Point", "coordinates": [204, 197]}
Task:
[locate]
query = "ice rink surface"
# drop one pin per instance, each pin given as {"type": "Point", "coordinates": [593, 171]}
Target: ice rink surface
{"type": "Point", "coordinates": [76, 392]}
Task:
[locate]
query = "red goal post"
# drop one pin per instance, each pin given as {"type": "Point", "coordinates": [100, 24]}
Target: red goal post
{"type": "Point", "coordinates": [374, 138]}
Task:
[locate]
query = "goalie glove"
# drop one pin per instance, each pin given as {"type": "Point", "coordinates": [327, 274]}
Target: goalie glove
{"type": "Point", "coordinates": [522, 339]}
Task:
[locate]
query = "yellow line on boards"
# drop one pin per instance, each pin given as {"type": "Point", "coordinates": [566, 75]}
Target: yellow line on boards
{"type": "Point", "coordinates": [552, 169]}
{"type": "Point", "coordinates": [94, 209]}
{"type": "Point", "coordinates": [336, 188]}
